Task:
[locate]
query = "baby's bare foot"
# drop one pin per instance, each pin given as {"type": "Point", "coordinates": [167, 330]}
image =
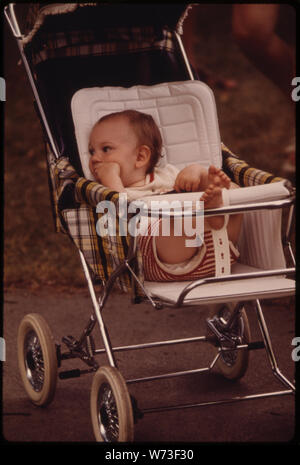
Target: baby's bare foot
{"type": "Point", "coordinates": [217, 177]}
{"type": "Point", "coordinates": [212, 197]}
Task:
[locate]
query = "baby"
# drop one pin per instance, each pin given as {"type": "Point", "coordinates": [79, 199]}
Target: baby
{"type": "Point", "coordinates": [125, 148]}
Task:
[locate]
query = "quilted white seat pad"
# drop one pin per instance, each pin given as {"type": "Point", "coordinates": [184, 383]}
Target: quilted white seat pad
{"type": "Point", "coordinates": [185, 113]}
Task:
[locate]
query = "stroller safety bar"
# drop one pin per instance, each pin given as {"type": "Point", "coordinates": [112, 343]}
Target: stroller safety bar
{"type": "Point", "coordinates": [276, 195]}
{"type": "Point", "coordinates": [160, 212]}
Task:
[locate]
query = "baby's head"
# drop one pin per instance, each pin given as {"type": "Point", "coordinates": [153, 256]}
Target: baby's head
{"type": "Point", "coordinates": [144, 131]}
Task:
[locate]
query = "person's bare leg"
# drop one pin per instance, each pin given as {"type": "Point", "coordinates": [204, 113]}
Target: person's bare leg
{"type": "Point", "coordinates": [191, 40]}
{"type": "Point", "coordinates": [253, 27]}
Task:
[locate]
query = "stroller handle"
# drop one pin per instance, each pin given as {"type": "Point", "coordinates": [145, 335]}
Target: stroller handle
{"type": "Point", "coordinates": [9, 11]}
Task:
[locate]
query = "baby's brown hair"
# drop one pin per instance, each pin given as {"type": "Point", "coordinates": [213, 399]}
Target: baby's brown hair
{"type": "Point", "coordinates": [146, 131]}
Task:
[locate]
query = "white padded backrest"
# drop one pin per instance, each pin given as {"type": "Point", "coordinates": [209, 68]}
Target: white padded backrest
{"type": "Point", "coordinates": [185, 113]}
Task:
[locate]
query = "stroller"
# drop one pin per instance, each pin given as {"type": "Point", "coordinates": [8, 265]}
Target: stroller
{"type": "Point", "coordinates": [84, 61]}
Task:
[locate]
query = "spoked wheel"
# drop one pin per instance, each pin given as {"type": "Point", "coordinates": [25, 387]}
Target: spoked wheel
{"type": "Point", "coordinates": [37, 359]}
{"type": "Point", "coordinates": [111, 409]}
{"type": "Point", "coordinates": [233, 364]}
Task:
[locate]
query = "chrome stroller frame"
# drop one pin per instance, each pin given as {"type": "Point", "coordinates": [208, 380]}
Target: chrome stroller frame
{"type": "Point", "coordinates": [221, 334]}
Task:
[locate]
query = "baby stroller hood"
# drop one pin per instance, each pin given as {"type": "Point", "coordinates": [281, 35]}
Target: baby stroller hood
{"type": "Point", "coordinates": [59, 16]}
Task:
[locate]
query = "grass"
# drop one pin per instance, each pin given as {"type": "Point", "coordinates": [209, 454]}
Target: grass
{"type": "Point", "coordinates": [256, 121]}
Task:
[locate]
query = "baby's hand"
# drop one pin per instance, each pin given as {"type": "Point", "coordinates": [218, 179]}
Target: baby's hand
{"type": "Point", "coordinates": [108, 174]}
{"type": "Point", "coordinates": [105, 170]}
{"type": "Point", "coordinates": [189, 179]}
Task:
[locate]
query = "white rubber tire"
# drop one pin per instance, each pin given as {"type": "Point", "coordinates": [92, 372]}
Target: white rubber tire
{"type": "Point", "coordinates": [34, 323]}
{"type": "Point", "coordinates": [110, 379]}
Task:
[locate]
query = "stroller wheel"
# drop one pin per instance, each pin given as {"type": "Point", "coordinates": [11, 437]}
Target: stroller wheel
{"type": "Point", "coordinates": [233, 364]}
{"type": "Point", "coordinates": [111, 409]}
{"type": "Point", "coordinates": [37, 359]}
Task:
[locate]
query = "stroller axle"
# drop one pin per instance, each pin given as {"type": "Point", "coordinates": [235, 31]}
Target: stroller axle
{"type": "Point", "coordinates": [74, 373]}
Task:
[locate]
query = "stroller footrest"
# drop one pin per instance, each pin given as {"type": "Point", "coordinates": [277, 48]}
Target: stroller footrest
{"type": "Point", "coordinates": [255, 345]}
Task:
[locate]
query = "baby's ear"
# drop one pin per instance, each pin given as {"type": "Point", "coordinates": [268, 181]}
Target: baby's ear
{"type": "Point", "coordinates": [143, 157]}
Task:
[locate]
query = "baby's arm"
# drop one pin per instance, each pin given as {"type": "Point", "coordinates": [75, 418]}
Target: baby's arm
{"type": "Point", "coordinates": [108, 174]}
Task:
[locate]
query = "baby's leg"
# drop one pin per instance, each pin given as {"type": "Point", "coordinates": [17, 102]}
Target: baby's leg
{"type": "Point", "coordinates": [235, 222]}
{"type": "Point", "coordinates": [212, 198]}
{"type": "Point", "coordinates": [172, 249]}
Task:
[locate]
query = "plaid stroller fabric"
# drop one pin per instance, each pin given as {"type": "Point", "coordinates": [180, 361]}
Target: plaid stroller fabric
{"type": "Point", "coordinates": [85, 43]}
{"type": "Point", "coordinates": [90, 40]}
{"type": "Point", "coordinates": [75, 202]}
{"type": "Point", "coordinates": [241, 173]}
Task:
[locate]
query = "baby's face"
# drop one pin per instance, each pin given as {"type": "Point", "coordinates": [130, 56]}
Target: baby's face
{"type": "Point", "coordinates": [114, 141]}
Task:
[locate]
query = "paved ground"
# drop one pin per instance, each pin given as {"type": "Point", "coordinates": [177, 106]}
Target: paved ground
{"type": "Point", "coordinates": [67, 418]}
